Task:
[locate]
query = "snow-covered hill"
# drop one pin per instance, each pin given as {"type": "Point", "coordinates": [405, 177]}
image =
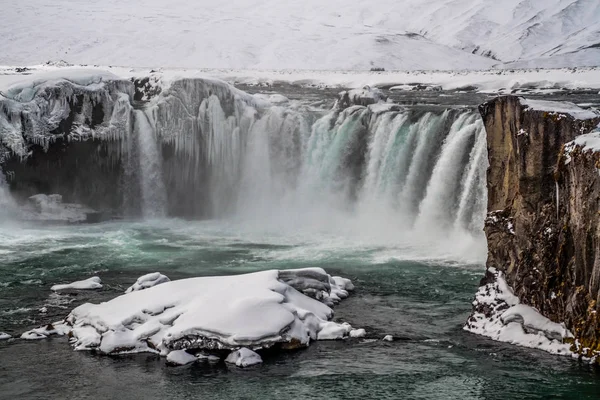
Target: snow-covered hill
{"type": "Point", "coordinates": [307, 34]}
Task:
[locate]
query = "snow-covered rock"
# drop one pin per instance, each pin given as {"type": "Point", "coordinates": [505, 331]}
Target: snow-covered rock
{"type": "Point", "coordinates": [358, 333]}
{"type": "Point", "coordinates": [43, 332]}
{"type": "Point", "coordinates": [388, 338]}
{"type": "Point", "coordinates": [4, 336]}
{"type": "Point", "coordinates": [255, 310]}
{"type": "Point", "coordinates": [243, 357]}
{"type": "Point", "coordinates": [147, 281]}
{"type": "Point", "coordinates": [180, 357]}
{"type": "Point", "coordinates": [499, 315]}
{"type": "Point", "coordinates": [360, 97]}
{"type": "Point", "coordinates": [333, 331]}
{"type": "Point", "coordinates": [87, 284]}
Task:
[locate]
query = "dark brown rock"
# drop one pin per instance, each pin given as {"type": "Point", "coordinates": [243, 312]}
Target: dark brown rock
{"type": "Point", "coordinates": [543, 221]}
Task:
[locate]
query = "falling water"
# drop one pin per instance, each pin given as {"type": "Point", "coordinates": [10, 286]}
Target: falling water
{"type": "Point", "coordinates": [150, 162]}
{"type": "Point", "coordinates": [7, 204]}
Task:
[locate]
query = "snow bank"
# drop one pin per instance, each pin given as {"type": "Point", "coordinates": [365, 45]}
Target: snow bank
{"type": "Point", "coordinates": [256, 311]}
{"type": "Point", "coordinates": [147, 281]}
{"type": "Point", "coordinates": [560, 107]}
{"type": "Point", "coordinates": [500, 316]}
{"type": "Point", "coordinates": [90, 283]}
{"type": "Point", "coordinates": [243, 357]}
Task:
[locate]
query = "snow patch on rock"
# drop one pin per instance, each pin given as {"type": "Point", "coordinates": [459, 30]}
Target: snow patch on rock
{"type": "Point", "coordinates": [4, 336]}
{"type": "Point", "coordinates": [559, 108]}
{"type": "Point", "coordinates": [499, 315]}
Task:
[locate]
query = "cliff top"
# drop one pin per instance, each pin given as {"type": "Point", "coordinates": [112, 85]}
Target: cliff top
{"type": "Point", "coordinates": [561, 107]}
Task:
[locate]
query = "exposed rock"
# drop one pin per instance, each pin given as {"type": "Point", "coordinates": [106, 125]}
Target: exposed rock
{"type": "Point", "coordinates": [543, 220]}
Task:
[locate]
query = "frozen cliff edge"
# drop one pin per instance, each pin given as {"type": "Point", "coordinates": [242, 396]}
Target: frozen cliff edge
{"type": "Point", "coordinates": [542, 225]}
{"type": "Point", "coordinates": [212, 315]}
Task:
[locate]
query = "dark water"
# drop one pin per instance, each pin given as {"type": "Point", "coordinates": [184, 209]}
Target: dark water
{"type": "Point", "coordinates": [417, 293]}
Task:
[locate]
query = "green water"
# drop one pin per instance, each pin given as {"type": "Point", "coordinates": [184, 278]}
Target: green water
{"type": "Point", "coordinates": [418, 294]}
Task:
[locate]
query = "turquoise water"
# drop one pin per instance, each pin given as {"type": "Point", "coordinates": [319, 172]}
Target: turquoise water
{"type": "Point", "coordinates": [418, 293]}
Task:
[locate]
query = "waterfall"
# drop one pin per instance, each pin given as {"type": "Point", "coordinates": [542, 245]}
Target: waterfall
{"type": "Point", "coordinates": [7, 204]}
{"type": "Point", "coordinates": [204, 149]}
{"type": "Point", "coordinates": [153, 191]}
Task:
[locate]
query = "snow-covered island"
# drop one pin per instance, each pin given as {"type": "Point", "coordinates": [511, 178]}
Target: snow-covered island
{"type": "Point", "coordinates": [218, 315]}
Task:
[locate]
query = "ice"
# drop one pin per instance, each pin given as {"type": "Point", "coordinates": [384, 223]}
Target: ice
{"type": "Point", "coordinates": [560, 107]}
{"type": "Point", "coordinates": [90, 283]}
{"type": "Point", "coordinates": [4, 336]}
{"type": "Point", "coordinates": [506, 320]}
{"type": "Point", "coordinates": [25, 91]}
{"type": "Point", "coordinates": [243, 357]}
{"type": "Point", "coordinates": [255, 310]}
{"type": "Point", "coordinates": [181, 357]}
{"type": "Point", "coordinates": [147, 281]}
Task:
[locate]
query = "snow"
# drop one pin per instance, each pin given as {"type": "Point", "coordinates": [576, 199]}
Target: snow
{"type": "Point", "coordinates": [562, 107]}
{"type": "Point", "coordinates": [4, 336]}
{"type": "Point", "coordinates": [388, 338]}
{"type": "Point", "coordinates": [43, 332]}
{"type": "Point", "coordinates": [147, 281]}
{"type": "Point", "coordinates": [515, 323]}
{"type": "Point", "coordinates": [485, 81]}
{"type": "Point", "coordinates": [90, 283]}
{"type": "Point", "coordinates": [180, 357]}
{"type": "Point", "coordinates": [243, 357]}
{"type": "Point", "coordinates": [254, 310]}
{"type": "Point", "coordinates": [587, 142]}
{"type": "Point", "coordinates": [311, 34]}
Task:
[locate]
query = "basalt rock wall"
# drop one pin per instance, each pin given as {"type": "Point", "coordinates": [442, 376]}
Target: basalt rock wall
{"type": "Point", "coordinates": [543, 211]}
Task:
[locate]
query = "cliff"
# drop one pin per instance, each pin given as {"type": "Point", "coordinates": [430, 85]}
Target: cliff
{"type": "Point", "coordinates": [543, 211]}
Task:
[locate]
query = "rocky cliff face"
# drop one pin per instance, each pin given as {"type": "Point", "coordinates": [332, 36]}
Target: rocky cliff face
{"type": "Point", "coordinates": [543, 203]}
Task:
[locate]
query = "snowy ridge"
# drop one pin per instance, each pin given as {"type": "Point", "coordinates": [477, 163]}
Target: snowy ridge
{"type": "Point", "coordinates": [310, 34]}
{"type": "Point", "coordinates": [498, 314]}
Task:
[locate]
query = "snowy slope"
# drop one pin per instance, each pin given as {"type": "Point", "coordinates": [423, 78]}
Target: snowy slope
{"type": "Point", "coordinates": [308, 34]}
